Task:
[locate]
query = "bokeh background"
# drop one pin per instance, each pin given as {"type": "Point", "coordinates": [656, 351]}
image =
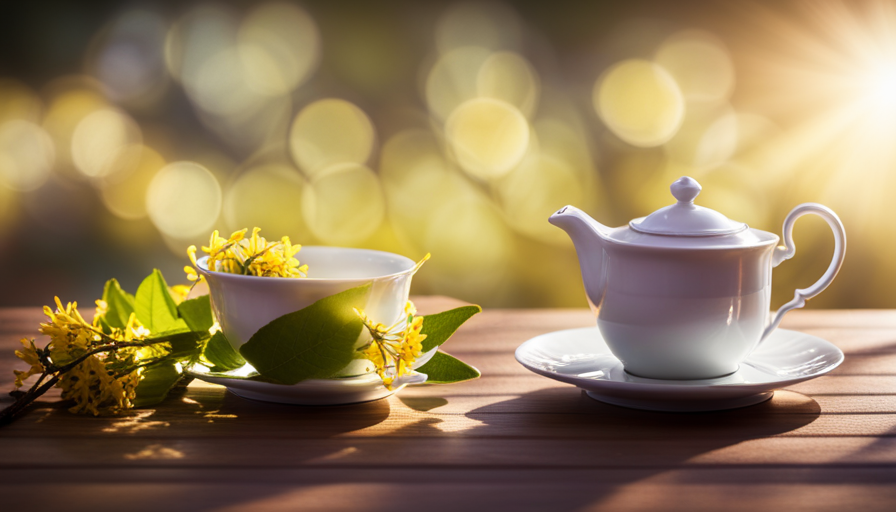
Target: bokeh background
{"type": "Point", "coordinates": [129, 130]}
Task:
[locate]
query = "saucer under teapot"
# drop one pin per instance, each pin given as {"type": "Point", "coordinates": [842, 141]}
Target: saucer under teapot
{"type": "Point", "coordinates": [582, 358]}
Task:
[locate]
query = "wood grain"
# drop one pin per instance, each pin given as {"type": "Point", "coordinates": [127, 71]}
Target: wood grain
{"type": "Point", "coordinates": [509, 441]}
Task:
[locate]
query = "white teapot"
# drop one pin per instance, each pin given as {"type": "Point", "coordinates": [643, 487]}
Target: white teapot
{"type": "Point", "coordinates": [684, 293]}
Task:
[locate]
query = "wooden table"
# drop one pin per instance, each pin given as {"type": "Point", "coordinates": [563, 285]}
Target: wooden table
{"type": "Point", "coordinates": [509, 441]}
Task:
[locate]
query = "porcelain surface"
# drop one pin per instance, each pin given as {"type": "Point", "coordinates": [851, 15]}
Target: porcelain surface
{"type": "Point", "coordinates": [346, 390]}
{"type": "Point", "coordinates": [244, 304]}
{"type": "Point", "coordinates": [685, 292]}
{"type": "Point", "coordinates": [582, 358]}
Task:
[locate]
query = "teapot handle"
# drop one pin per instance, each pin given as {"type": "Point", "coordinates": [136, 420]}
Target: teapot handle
{"type": "Point", "coordinates": [787, 250]}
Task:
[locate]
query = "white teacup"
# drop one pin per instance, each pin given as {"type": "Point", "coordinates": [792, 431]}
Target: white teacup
{"type": "Point", "coordinates": [243, 304]}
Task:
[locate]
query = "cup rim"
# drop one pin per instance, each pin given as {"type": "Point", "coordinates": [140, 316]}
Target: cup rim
{"type": "Point", "coordinates": [202, 267]}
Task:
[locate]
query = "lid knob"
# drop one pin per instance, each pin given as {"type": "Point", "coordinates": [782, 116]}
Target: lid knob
{"type": "Point", "coordinates": [685, 189]}
{"type": "Point", "coordinates": [684, 218]}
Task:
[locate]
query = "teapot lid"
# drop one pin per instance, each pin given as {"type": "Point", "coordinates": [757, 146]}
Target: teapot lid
{"type": "Point", "coordinates": [684, 218]}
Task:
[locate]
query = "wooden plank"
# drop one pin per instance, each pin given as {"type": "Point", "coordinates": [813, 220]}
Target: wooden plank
{"type": "Point", "coordinates": [531, 393]}
{"type": "Point", "coordinates": [495, 395]}
{"type": "Point", "coordinates": [847, 318]}
{"type": "Point", "coordinates": [470, 452]}
{"type": "Point", "coordinates": [227, 416]}
{"type": "Point", "coordinates": [554, 400]}
{"type": "Point", "coordinates": [451, 490]}
{"type": "Point", "coordinates": [510, 439]}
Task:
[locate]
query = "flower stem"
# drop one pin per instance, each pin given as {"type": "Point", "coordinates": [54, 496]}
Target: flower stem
{"type": "Point", "coordinates": [8, 414]}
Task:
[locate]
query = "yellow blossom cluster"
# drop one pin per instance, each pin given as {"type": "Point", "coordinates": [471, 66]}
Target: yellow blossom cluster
{"type": "Point", "coordinates": [29, 354]}
{"type": "Point", "coordinates": [252, 256]}
{"type": "Point", "coordinates": [101, 383]}
{"type": "Point", "coordinates": [394, 349]}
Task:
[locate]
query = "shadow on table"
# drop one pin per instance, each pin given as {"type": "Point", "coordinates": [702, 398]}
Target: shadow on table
{"type": "Point", "coordinates": [208, 412]}
{"type": "Point", "coordinates": [570, 433]}
{"type": "Point", "coordinates": [553, 449]}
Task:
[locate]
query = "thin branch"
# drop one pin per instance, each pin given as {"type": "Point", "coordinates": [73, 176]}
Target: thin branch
{"type": "Point", "coordinates": [36, 390]}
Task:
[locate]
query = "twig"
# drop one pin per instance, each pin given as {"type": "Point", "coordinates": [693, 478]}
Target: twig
{"type": "Point", "coordinates": [8, 414]}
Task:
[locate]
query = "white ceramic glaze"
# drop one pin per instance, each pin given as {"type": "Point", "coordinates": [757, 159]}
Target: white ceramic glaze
{"type": "Point", "coordinates": [346, 390]}
{"type": "Point", "coordinates": [244, 304]}
{"type": "Point", "coordinates": [684, 218]}
{"type": "Point", "coordinates": [582, 358]}
{"type": "Point", "coordinates": [684, 293]}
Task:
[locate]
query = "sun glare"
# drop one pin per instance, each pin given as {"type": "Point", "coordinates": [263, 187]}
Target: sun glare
{"type": "Point", "coordinates": [833, 73]}
{"type": "Point", "coordinates": [881, 87]}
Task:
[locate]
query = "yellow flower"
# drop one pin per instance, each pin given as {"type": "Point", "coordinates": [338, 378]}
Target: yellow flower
{"type": "Point", "coordinates": [96, 389]}
{"type": "Point", "coordinates": [101, 309]}
{"type": "Point", "coordinates": [394, 349]}
{"type": "Point", "coordinates": [106, 383]}
{"type": "Point", "coordinates": [250, 256]}
{"type": "Point", "coordinates": [101, 383]}
{"type": "Point", "coordinates": [192, 275]}
{"type": "Point", "coordinates": [30, 356]}
{"type": "Point", "coordinates": [179, 292]}
{"type": "Point", "coordinates": [70, 335]}
{"type": "Point", "coordinates": [134, 330]}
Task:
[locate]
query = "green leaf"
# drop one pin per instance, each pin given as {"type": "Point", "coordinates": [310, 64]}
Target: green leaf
{"type": "Point", "coordinates": [315, 342]}
{"type": "Point", "coordinates": [156, 382]}
{"type": "Point", "coordinates": [439, 327]}
{"type": "Point", "coordinates": [120, 302]}
{"type": "Point", "coordinates": [155, 307]}
{"type": "Point", "coordinates": [445, 369]}
{"type": "Point", "coordinates": [220, 353]}
{"type": "Point", "coordinates": [104, 325]}
{"type": "Point", "coordinates": [197, 313]}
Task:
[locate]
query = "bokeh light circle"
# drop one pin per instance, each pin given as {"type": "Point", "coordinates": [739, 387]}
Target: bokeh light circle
{"type": "Point", "coordinates": [267, 196]}
{"type": "Point", "coordinates": [700, 65]}
{"type": "Point", "coordinates": [406, 153]}
{"type": "Point", "coordinates": [125, 195]}
{"type": "Point", "coordinates": [639, 102]}
{"type": "Point", "coordinates": [27, 154]}
{"type": "Point", "coordinates": [99, 138]}
{"type": "Point", "coordinates": [219, 86]}
{"type": "Point", "coordinates": [328, 132]}
{"type": "Point", "coordinates": [509, 77]}
{"type": "Point", "coordinates": [67, 107]}
{"type": "Point", "coordinates": [534, 190]}
{"type": "Point", "coordinates": [453, 79]}
{"type": "Point", "coordinates": [184, 200]}
{"type": "Point", "coordinates": [488, 137]}
{"type": "Point", "coordinates": [280, 46]}
{"type": "Point", "coordinates": [343, 204]}
{"type": "Point", "coordinates": [196, 37]}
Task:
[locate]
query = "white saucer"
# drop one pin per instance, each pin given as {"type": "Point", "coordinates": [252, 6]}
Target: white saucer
{"type": "Point", "coordinates": [344, 390]}
{"type": "Point", "coordinates": [581, 357]}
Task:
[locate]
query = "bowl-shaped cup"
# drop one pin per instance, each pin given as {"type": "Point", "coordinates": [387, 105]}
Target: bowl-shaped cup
{"type": "Point", "coordinates": [243, 304]}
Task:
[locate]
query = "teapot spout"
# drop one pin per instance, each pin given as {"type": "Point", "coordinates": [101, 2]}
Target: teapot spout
{"type": "Point", "coordinates": [589, 237]}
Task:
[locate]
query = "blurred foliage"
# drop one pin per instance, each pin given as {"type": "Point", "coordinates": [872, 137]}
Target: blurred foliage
{"type": "Point", "coordinates": [129, 131]}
